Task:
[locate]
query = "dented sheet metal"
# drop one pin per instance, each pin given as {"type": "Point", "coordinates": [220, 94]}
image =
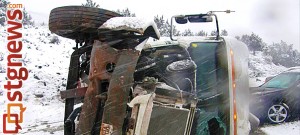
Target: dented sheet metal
{"type": "Point", "coordinates": [122, 25]}
{"type": "Point", "coordinates": [119, 89]}
{"type": "Point", "coordinates": [113, 59]}
{"type": "Point", "coordinates": [102, 54]}
{"type": "Point", "coordinates": [73, 93]}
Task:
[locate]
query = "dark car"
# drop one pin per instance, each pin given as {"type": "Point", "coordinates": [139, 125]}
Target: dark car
{"type": "Point", "coordinates": [278, 99]}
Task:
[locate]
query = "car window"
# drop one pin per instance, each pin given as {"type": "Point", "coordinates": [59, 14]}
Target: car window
{"type": "Point", "coordinates": [284, 80]}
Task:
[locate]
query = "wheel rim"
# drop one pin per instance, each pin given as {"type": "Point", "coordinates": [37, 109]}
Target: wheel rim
{"type": "Point", "coordinates": [277, 113]}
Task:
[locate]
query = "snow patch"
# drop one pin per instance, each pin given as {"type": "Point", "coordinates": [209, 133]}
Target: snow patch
{"type": "Point", "coordinates": [127, 22]}
{"type": "Point", "coordinates": [181, 65]}
{"type": "Point", "coordinates": [47, 64]}
{"type": "Point", "coordinates": [291, 128]}
{"type": "Point", "coordinates": [260, 68]}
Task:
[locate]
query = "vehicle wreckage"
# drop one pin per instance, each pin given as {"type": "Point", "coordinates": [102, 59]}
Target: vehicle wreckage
{"type": "Point", "coordinates": [131, 85]}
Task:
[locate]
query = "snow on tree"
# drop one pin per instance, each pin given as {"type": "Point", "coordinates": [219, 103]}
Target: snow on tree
{"type": "Point", "coordinates": [254, 42]}
{"type": "Point", "coordinates": [175, 31]}
{"type": "Point", "coordinates": [224, 33]}
{"type": "Point", "coordinates": [27, 19]}
{"type": "Point", "coordinates": [3, 5]}
{"type": "Point", "coordinates": [164, 26]}
{"type": "Point", "coordinates": [283, 54]}
{"type": "Point", "coordinates": [187, 32]}
{"type": "Point", "coordinates": [126, 13]}
{"type": "Point", "coordinates": [159, 22]}
{"type": "Point", "coordinates": [90, 3]}
{"type": "Point", "coordinates": [201, 33]}
{"type": "Point", "coordinates": [213, 33]}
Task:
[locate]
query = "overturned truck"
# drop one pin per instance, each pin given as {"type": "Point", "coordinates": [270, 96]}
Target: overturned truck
{"type": "Point", "coordinates": [127, 84]}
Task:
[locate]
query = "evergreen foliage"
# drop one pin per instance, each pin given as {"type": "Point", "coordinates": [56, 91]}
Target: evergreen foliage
{"type": "Point", "coordinates": [90, 3]}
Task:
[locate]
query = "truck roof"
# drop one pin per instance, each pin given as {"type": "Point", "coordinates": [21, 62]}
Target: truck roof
{"type": "Point", "coordinates": [181, 41]}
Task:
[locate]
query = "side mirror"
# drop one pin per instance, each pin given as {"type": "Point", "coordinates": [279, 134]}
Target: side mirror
{"type": "Point", "coordinates": [181, 20]}
{"type": "Point", "coordinates": [196, 18]}
{"type": "Point", "coordinates": [199, 18]}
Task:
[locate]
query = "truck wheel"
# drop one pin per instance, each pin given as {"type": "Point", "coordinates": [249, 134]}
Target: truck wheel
{"type": "Point", "coordinates": [78, 22]}
{"type": "Point", "coordinates": [181, 66]}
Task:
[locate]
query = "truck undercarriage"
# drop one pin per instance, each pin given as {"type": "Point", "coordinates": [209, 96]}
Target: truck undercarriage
{"type": "Point", "coordinates": [136, 88]}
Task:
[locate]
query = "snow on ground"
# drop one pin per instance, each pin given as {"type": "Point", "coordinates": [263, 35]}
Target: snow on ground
{"type": "Point", "coordinates": [261, 67]}
{"type": "Point", "coordinates": [48, 63]}
{"type": "Point", "coordinates": [290, 128]}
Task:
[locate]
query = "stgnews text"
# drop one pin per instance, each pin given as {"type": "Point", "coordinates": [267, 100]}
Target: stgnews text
{"type": "Point", "coordinates": [16, 73]}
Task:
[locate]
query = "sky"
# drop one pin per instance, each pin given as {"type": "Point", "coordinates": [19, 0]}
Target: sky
{"type": "Point", "coordinates": [272, 20]}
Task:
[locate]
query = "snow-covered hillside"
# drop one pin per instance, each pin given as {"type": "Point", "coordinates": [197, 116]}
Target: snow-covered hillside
{"type": "Point", "coordinates": [261, 67]}
{"type": "Point", "coordinates": [47, 62]}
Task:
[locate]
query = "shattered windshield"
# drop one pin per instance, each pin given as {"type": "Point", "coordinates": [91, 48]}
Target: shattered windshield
{"type": "Point", "coordinates": [283, 81]}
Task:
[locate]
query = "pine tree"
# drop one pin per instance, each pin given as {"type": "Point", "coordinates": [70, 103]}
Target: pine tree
{"type": "Point", "coordinates": [164, 27]}
{"type": "Point", "coordinates": [224, 33]}
{"type": "Point", "coordinates": [90, 3]}
{"type": "Point", "coordinates": [160, 23]}
{"type": "Point", "coordinates": [283, 54]}
{"type": "Point", "coordinates": [3, 7]}
{"type": "Point", "coordinates": [27, 19]}
{"type": "Point", "coordinates": [201, 33]}
{"type": "Point", "coordinates": [126, 13]}
{"type": "Point", "coordinates": [213, 33]}
{"type": "Point", "coordinates": [254, 42]}
{"type": "Point", "coordinates": [175, 31]}
{"type": "Point", "coordinates": [187, 32]}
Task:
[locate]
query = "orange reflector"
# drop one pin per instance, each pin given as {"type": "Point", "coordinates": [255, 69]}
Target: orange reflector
{"type": "Point", "coordinates": [234, 94]}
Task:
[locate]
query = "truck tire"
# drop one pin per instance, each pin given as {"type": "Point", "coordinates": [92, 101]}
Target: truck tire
{"type": "Point", "coordinates": [78, 22]}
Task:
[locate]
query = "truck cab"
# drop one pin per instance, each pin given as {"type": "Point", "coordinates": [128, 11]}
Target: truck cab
{"type": "Point", "coordinates": [135, 86]}
{"type": "Point", "coordinates": [215, 72]}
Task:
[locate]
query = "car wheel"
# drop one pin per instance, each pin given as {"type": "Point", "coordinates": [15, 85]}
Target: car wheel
{"type": "Point", "coordinates": [78, 21]}
{"type": "Point", "coordinates": [278, 113]}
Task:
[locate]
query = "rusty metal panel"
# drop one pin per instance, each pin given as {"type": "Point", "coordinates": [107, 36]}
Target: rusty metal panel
{"type": "Point", "coordinates": [100, 56]}
{"type": "Point", "coordinates": [106, 129]}
{"type": "Point", "coordinates": [73, 93]}
{"type": "Point", "coordinates": [73, 77]}
{"type": "Point", "coordinates": [119, 89]}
